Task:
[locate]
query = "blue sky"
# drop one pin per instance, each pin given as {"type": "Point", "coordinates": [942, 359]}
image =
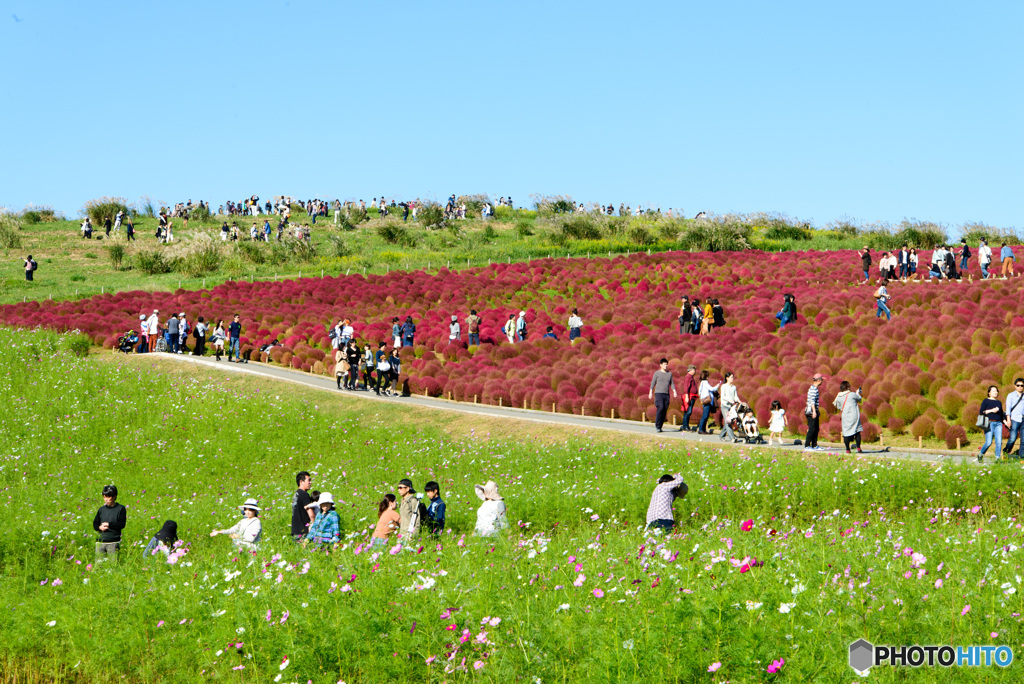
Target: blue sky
{"type": "Point", "coordinates": [873, 111]}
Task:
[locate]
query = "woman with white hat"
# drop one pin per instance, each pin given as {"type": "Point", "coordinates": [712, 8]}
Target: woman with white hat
{"type": "Point", "coordinates": [245, 533]}
{"type": "Point", "coordinates": [490, 517]}
{"type": "Point", "coordinates": [326, 528]}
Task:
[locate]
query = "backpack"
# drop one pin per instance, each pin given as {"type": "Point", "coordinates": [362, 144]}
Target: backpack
{"type": "Point", "coordinates": [35, 264]}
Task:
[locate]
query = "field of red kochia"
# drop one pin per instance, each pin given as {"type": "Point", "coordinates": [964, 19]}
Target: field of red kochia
{"type": "Point", "coordinates": [924, 372]}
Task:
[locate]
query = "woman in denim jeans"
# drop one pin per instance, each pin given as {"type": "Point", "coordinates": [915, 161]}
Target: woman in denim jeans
{"type": "Point", "coordinates": [707, 393]}
{"type": "Point", "coordinates": [992, 409]}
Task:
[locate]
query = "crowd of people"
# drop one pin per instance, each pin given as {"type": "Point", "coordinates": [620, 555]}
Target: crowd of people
{"type": "Point", "coordinates": [946, 263]}
{"type": "Point", "coordinates": [314, 521]}
{"type": "Point", "coordinates": [698, 319]}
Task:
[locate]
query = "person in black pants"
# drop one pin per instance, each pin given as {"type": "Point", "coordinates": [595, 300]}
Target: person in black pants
{"type": "Point", "coordinates": [813, 414]}
{"type": "Point", "coordinates": [352, 356]}
{"type": "Point", "coordinates": [661, 383]}
{"type": "Point", "coordinates": [383, 375]}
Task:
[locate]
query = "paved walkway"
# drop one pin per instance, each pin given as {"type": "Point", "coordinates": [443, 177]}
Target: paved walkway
{"type": "Point", "coordinates": [586, 422]}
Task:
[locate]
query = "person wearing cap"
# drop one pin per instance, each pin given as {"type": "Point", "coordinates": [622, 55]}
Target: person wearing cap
{"type": "Point", "coordinates": [659, 512]}
{"type": "Point", "coordinates": [326, 528]}
{"type": "Point", "coordinates": [690, 393]}
{"type": "Point", "coordinates": [110, 519]}
{"type": "Point", "coordinates": [521, 327]}
{"type": "Point", "coordinates": [153, 328]}
{"type": "Point", "coordinates": [143, 335]}
{"type": "Point", "coordinates": [408, 509]}
{"type": "Point", "coordinates": [163, 540]}
{"type": "Point", "coordinates": [491, 516]}
{"type": "Point", "coordinates": [454, 331]}
{"type": "Point", "coordinates": [246, 532]}
{"type": "Point", "coordinates": [813, 414]}
{"type": "Point", "coordinates": [661, 383]}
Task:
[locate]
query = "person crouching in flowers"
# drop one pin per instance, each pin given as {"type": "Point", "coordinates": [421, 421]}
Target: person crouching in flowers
{"type": "Point", "coordinates": [326, 528]}
{"type": "Point", "coordinates": [659, 512]}
{"type": "Point", "coordinates": [388, 520]}
{"type": "Point", "coordinates": [491, 516]}
{"type": "Point", "coordinates": [246, 532]}
{"type": "Point", "coordinates": [163, 540]}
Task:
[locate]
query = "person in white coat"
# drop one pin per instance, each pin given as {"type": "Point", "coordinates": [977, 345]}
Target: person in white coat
{"type": "Point", "coordinates": [491, 516]}
{"type": "Point", "coordinates": [246, 533]}
{"type": "Point", "coordinates": [153, 329]}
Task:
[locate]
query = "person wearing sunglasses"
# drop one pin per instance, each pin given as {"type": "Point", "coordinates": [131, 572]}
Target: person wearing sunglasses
{"type": "Point", "coordinates": [1015, 416]}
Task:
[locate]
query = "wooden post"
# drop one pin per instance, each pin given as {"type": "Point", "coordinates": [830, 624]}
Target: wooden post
{"type": "Point", "coordinates": [321, 273]}
{"type": "Point", "coordinates": [449, 396]}
{"type": "Point", "coordinates": [553, 407]}
{"type": "Point", "coordinates": [673, 420]}
{"type": "Point", "coordinates": [499, 402]}
{"type": "Point", "coordinates": [204, 282]}
{"type": "Point", "coordinates": [424, 392]}
{"type": "Point", "coordinates": [920, 440]}
{"type": "Point", "coordinates": [583, 410]}
{"type": "Point", "coordinates": [881, 440]}
{"type": "Point", "coordinates": [524, 404]}
{"type": "Point", "coordinates": [613, 414]}
{"type": "Point", "coordinates": [643, 417]}
{"type": "Point", "coordinates": [958, 444]}
{"type": "Point", "coordinates": [474, 398]}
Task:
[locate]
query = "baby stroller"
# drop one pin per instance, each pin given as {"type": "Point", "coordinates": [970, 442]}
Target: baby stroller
{"type": "Point", "coordinates": [751, 434]}
{"type": "Point", "coordinates": [126, 343]}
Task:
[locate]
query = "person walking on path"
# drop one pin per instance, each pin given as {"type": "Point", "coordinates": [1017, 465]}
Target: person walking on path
{"type": "Point", "coordinates": [172, 333]}
{"type": "Point", "coordinates": [730, 400]}
{"type": "Point", "coordinates": [990, 418]}
{"type": "Point", "coordinates": [848, 404]}
{"type": "Point", "coordinates": [707, 393]}
{"type": "Point", "coordinates": [1015, 416]}
{"type": "Point", "coordinates": [661, 383]}
{"type": "Point", "coordinates": [110, 519]}
{"type": "Point", "coordinates": [881, 299]}
{"type": "Point", "coordinates": [659, 511]}
{"type": "Point", "coordinates": [865, 262]}
{"type": "Point", "coordinates": [473, 326]}
{"type": "Point", "coordinates": [352, 356]}
{"type": "Point", "coordinates": [575, 325]}
{"type": "Point", "coordinates": [691, 395]}
{"type": "Point", "coordinates": [302, 517]}
{"type": "Point", "coordinates": [984, 258]}
{"type": "Point", "coordinates": [30, 267]}
{"type": "Point", "coordinates": [812, 412]}
{"type": "Point", "coordinates": [408, 509]}
{"type": "Point", "coordinates": [200, 334]}
{"type": "Point", "coordinates": [1007, 257]}
{"type": "Point", "coordinates": [153, 329]}
{"type": "Point", "coordinates": [235, 335]}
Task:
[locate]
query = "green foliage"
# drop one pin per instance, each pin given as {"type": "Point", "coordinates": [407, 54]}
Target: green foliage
{"type": "Point", "coordinates": [251, 251]}
{"type": "Point", "coordinates": [489, 232]}
{"type": "Point", "coordinates": [145, 207]}
{"type": "Point", "coordinates": [641, 236]}
{"type": "Point", "coordinates": [580, 227]}
{"type": "Point", "coordinates": [201, 214]}
{"type": "Point", "coordinates": [338, 246]}
{"type": "Point", "coordinates": [116, 252]}
{"type": "Point", "coordinates": [79, 345]}
{"type": "Point", "coordinates": [104, 207]}
{"type": "Point", "coordinates": [431, 216]}
{"type": "Point", "coordinates": [715, 236]}
{"type": "Point", "coordinates": [10, 228]}
{"type": "Point", "coordinates": [524, 227]}
{"type": "Point", "coordinates": [975, 232]}
{"type": "Point", "coordinates": [301, 250]}
{"type": "Point", "coordinates": [200, 261]}
{"type": "Point", "coordinates": [394, 233]}
{"type": "Point", "coordinates": [151, 262]}
{"type": "Point", "coordinates": [34, 215]}
{"type": "Point", "coordinates": [547, 205]}
{"type": "Point", "coordinates": [77, 278]}
{"type": "Point", "coordinates": [297, 208]}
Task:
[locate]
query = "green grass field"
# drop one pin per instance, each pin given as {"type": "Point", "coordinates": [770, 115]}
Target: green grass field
{"type": "Point", "coordinates": [574, 591]}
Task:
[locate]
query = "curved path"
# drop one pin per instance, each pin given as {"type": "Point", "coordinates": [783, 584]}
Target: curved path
{"type": "Point", "coordinates": [587, 422]}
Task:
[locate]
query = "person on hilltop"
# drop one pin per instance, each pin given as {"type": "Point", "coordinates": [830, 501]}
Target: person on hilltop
{"type": "Point", "coordinates": [848, 404]}
{"type": "Point", "coordinates": [408, 509]}
{"type": "Point", "coordinates": [302, 517]}
{"type": "Point", "coordinates": [691, 395]}
{"type": "Point", "coordinates": [661, 383]}
{"type": "Point", "coordinates": [129, 230]}
{"type": "Point", "coordinates": [904, 262]}
{"type": "Point", "coordinates": [659, 511]}
{"type": "Point", "coordinates": [912, 268]}
{"type": "Point", "coordinates": [990, 419]}
{"type": "Point", "coordinates": [492, 516]}
{"type": "Point", "coordinates": [575, 325]}
{"type": "Point", "coordinates": [247, 532]}
{"type": "Point", "coordinates": [110, 519]}
{"type": "Point", "coordinates": [984, 257]}
{"type": "Point", "coordinates": [811, 410]}
{"type": "Point", "coordinates": [865, 263]}
{"type": "Point", "coordinates": [30, 267]}
{"type": "Point", "coordinates": [1006, 254]}
{"type": "Point", "coordinates": [106, 226]}
{"type": "Point", "coordinates": [717, 314]}
{"type": "Point", "coordinates": [117, 220]}
{"type": "Point", "coordinates": [696, 316]}
{"type": "Point", "coordinates": [473, 326]}
{"type": "Point", "coordinates": [965, 254]}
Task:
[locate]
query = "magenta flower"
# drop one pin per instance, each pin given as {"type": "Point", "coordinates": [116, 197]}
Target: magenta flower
{"type": "Point", "coordinates": [160, 624]}
{"type": "Point", "coordinates": [269, 614]}
{"type": "Point", "coordinates": [713, 667]}
{"type": "Point", "coordinates": [284, 617]}
{"type": "Point", "coordinates": [478, 664]}
{"type": "Point", "coordinates": [747, 525]}
{"type": "Point", "coordinates": [966, 610]}
{"type": "Point", "coordinates": [776, 666]}
{"type": "Point", "coordinates": [598, 593]}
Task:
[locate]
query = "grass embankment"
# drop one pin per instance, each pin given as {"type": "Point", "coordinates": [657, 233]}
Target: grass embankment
{"type": "Point", "coordinates": [573, 591]}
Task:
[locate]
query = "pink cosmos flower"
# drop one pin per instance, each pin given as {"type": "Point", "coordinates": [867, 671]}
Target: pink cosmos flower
{"type": "Point", "coordinates": [966, 610]}
{"type": "Point", "coordinates": [478, 664]}
{"type": "Point", "coordinates": [776, 666]}
{"type": "Point", "coordinates": [598, 593]}
{"type": "Point", "coordinates": [713, 667]}
{"type": "Point", "coordinates": [578, 582]}
{"type": "Point", "coordinates": [431, 659]}
{"type": "Point", "coordinates": [270, 613]}
{"type": "Point", "coordinates": [579, 567]}
{"type": "Point", "coordinates": [160, 624]}
{"type": "Point", "coordinates": [747, 525]}
{"type": "Point", "coordinates": [396, 550]}
{"type": "Point", "coordinates": [494, 622]}
{"type": "Point", "coordinates": [994, 634]}
{"type": "Point", "coordinates": [284, 617]}
{"type": "Point", "coordinates": [446, 614]}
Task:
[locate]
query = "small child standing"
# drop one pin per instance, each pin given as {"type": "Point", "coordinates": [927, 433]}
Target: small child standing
{"type": "Point", "coordinates": [435, 511]}
{"type": "Point", "coordinates": [777, 423]}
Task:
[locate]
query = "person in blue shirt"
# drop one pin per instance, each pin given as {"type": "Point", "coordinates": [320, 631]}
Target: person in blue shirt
{"type": "Point", "coordinates": [408, 332]}
{"type": "Point", "coordinates": [435, 511]}
{"type": "Point", "coordinates": [1007, 257]}
{"type": "Point", "coordinates": [551, 333]}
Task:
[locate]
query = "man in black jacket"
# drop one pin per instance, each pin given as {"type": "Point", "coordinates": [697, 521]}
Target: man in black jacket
{"type": "Point", "coordinates": [109, 521]}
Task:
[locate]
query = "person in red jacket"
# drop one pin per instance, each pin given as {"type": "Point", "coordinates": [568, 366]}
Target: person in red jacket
{"type": "Point", "coordinates": [688, 388]}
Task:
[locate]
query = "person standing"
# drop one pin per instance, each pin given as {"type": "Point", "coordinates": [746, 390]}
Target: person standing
{"type": "Point", "coordinates": [454, 330]}
{"type": "Point", "coordinates": [848, 404]}
{"type": "Point", "coordinates": [473, 326]}
{"type": "Point", "coordinates": [352, 356]}
{"type": "Point", "coordinates": [730, 400]}
{"type": "Point", "coordinates": [200, 335]}
{"type": "Point", "coordinates": [965, 254]}
{"type": "Point", "coordinates": [408, 332]}
{"type": "Point", "coordinates": [707, 393]}
{"type": "Point", "coordinates": [991, 417]}
{"type": "Point", "coordinates": [659, 511]}
{"type": "Point", "coordinates": [1007, 257]}
{"type": "Point", "coordinates": [690, 394]}
{"type": "Point", "coordinates": [521, 327]}
{"type": "Point", "coordinates": [904, 262]}
{"type": "Point", "coordinates": [143, 335]}
{"type": "Point", "coordinates": [110, 519]}
{"type": "Point", "coordinates": [984, 257]}
{"type": "Point", "coordinates": [865, 262]}
{"type": "Point", "coordinates": [302, 516]}
{"type": "Point", "coordinates": [408, 509]}
{"type": "Point", "coordinates": [1015, 416]}
{"type": "Point", "coordinates": [30, 267]}
{"type": "Point", "coordinates": [129, 230]}
{"type": "Point", "coordinates": [510, 329]}
{"type": "Point", "coordinates": [881, 297]}
{"type": "Point", "coordinates": [153, 329]}
{"type": "Point", "coordinates": [172, 333]}
{"type": "Point", "coordinates": [812, 412]}
{"type": "Point", "coordinates": [117, 219]}
{"type": "Point", "coordinates": [575, 325]}
{"type": "Point", "coordinates": [661, 383]}
{"type": "Point", "coordinates": [235, 339]}
{"type": "Point", "coordinates": [684, 316]}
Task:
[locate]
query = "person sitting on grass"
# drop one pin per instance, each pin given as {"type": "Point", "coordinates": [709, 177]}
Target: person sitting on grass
{"type": "Point", "coordinates": [246, 533]}
{"type": "Point", "coordinates": [435, 510]}
{"type": "Point", "coordinates": [659, 512]}
{"type": "Point", "coordinates": [110, 519]}
{"type": "Point", "coordinates": [326, 529]}
{"type": "Point", "coordinates": [492, 516]}
{"type": "Point", "coordinates": [388, 520]}
{"type": "Point", "coordinates": [163, 541]}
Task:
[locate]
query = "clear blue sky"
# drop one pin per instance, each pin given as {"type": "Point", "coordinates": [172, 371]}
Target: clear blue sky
{"type": "Point", "coordinates": [871, 110]}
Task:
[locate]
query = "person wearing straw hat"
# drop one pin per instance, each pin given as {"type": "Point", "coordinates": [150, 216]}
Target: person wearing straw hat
{"type": "Point", "coordinates": [246, 532]}
{"type": "Point", "coordinates": [521, 327]}
{"type": "Point", "coordinates": [326, 529]}
{"type": "Point", "coordinates": [491, 516]}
